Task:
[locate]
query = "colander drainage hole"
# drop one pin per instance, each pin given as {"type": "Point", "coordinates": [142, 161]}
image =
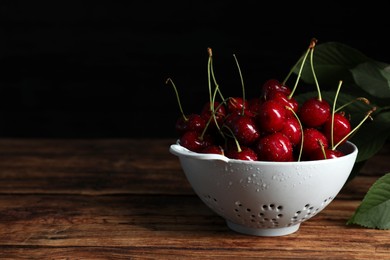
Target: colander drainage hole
{"type": "Point", "coordinates": [208, 197]}
{"type": "Point", "coordinates": [306, 212]}
{"type": "Point", "coordinates": [267, 216]}
{"type": "Point", "coordinates": [272, 207]}
{"type": "Point", "coordinates": [212, 202]}
{"type": "Point", "coordinates": [326, 201]}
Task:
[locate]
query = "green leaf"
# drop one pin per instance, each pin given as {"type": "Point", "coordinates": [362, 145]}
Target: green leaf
{"type": "Point", "coordinates": [372, 135]}
{"type": "Point", "coordinates": [335, 53]}
{"type": "Point", "coordinates": [374, 210]}
{"type": "Point", "coordinates": [332, 62]}
{"type": "Point", "coordinates": [373, 77]}
{"type": "Point", "coordinates": [360, 74]}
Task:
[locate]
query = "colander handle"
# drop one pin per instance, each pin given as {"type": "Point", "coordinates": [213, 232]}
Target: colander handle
{"type": "Point", "coordinates": [182, 151]}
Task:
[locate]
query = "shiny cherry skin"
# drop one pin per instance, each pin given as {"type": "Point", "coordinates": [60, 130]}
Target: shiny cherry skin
{"type": "Point", "coordinates": [318, 154]}
{"type": "Point", "coordinates": [220, 113]}
{"type": "Point", "coordinates": [285, 101]}
{"type": "Point", "coordinates": [271, 116]}
{"type": "Point", "coordinates": [192, 122]}
{"type": "Point", "coordinates": [275, 147]}
{"type": "Point", "coordinates": [192, 141]}
{"type": "Point", "coordinates": [244, 129]}
{"type": "Point", "coordinates": [274, 85]}
{"type": "Point", "coordinates": [292, 130]}
{"type": "Point", "coordinates": [314, 112]}
{"type": "Point", "coordinates": [246, 153]}
{"type": "Point", "coordinates": [341, 128]}
{"type": "Point", "coordinates": [214, 149]}
{"type": "Point", "coordinates": [313, 139]}
{"type": "Point", "coordinates": [237, 104]}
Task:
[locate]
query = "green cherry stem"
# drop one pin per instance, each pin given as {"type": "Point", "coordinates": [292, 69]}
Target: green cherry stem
{"type": "Point", "coordinates": [303, 59]}
{"type": "Point", "coordinates": [242, 84]}
{"type": "Point", "coordinates": [362, 99]}
{"type": "Point", "coordinates": [169, 80]}
{"type": "Point", "coordinates": [368, 115]}
{"type": "Point", "coordinates": [292, 70]}
{"type": "Point", "coordinates": [209, 50]}
{"type": "Point", "coordinates": [322, 149]}
{"type": "Point", "coordinates": [209, 79]}
{"type": "Point", "coordinates": [312, 46]}
{"type": "Point", "coordinates": [234, 138]}
{"type": "Point", "coordinates": [333, 111]}
{"type": "Point", "coordinates": [212, 117]}
{"type": "Point", "coordinates": [300, 125]}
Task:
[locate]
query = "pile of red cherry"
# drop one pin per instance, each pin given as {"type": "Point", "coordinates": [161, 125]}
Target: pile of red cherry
{"type": "Point", "coordinates": [266, 128]}
{"type": "Point", "coordinates": [271, 127]}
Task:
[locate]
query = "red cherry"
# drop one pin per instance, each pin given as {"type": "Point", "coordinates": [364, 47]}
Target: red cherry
{"type": "Point", "coordinates": [341, 128]}
{"type": "Point", "coordinates": [271, 117]}
{"type": "Point", "coordinates": [313, 139]}
{"type": "Point", "coordinates": [285, 101]}
{"type": "Point", "coordinates": [246, 153]}
{"type": "Point", "coordinates": [275, 147]}
{"type": "Point", "coordinates": [274, 85]}
{"type": "Point", "coordinates": [244, 129]}
{"type": "Point", "coordinates": [318, 154]}
{"type": "Point", "coordinates": [192, 122]}
{"type": "Point", "coordinates": [292, 130]}
{"type": "Point", "coordinates": [270, 127]}
{"type": "Point", "coordinates": [314, 112]}
{"type": "Point", "coordinates": [193, 141]}
{"type": "Point", "coordinates": [215, 149]}
{"type": "Point", "coordinates": [181, 125]}
{"type": "Point", "coordinates": [230, 118]}
{"type": "Point", "coordinates": [237, 104]}
{"type": "Point", "coordinates": [219, 115]}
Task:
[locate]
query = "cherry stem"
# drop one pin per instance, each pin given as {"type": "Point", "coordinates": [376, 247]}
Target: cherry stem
{"type": "Point", "coordinates": [300, 125]}
{"type": "Point", "coordinates": [333, 111]}
{"type": "Point", "coordinates": [322, 148]}
{"type": "Point", "coordinates": [235, 139]}
{"type": "Point", "coordinates": [177, 97]}
{"type": "Point", "coordinates": [209, 80]}
{"type": "Point", "coordinates": [303, 59]}
{"type": "Point", "coordinates": [368, 115]}
{"type": "Point", "coordinates": [312, 45]}
{"type": "Point", "coordinates": [212, 96]}
{"type": "Point", "coordinates": [212, 117]}
{"type": "Point", "coordinates": [242, 84]}
{"type": "Point", "coordinates": [212, 71]}
{"type": "Point", "coordinates": [291, 71]}
{"type": "Point", "coordinates": [362, 99]}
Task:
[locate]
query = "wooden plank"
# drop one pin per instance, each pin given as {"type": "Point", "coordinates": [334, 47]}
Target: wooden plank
{"type": "Point", "coordinates": [257, 252]}
{"type": "Point", "coordinates": [90, 167]}
{"type": "Point", "coordinates": [175, 226]}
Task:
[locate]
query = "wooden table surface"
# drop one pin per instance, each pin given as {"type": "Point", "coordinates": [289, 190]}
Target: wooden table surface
{"type": "Point", "coordinates": [129, 199]}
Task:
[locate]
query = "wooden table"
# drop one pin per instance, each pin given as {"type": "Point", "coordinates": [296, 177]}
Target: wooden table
{"type": "Point", "coordinates": [129, 199]}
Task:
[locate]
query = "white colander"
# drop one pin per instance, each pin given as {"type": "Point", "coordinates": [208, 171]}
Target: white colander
{"type": "Point", "coordinates": [265, 198]}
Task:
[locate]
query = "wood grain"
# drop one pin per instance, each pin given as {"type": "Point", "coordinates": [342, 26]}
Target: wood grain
{"type": "Point", "coordinates": [128, 199]}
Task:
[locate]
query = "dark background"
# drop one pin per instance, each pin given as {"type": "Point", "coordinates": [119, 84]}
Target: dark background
{"type": "Point", "coordinates": [98, 69]}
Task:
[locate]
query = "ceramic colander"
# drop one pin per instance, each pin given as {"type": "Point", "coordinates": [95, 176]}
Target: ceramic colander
{"type": "Point", "coordinates": [265, 198]}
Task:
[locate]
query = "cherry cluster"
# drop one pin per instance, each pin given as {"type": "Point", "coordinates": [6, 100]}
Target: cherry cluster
{"type": "Point", "coordinates": [270, 127]}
